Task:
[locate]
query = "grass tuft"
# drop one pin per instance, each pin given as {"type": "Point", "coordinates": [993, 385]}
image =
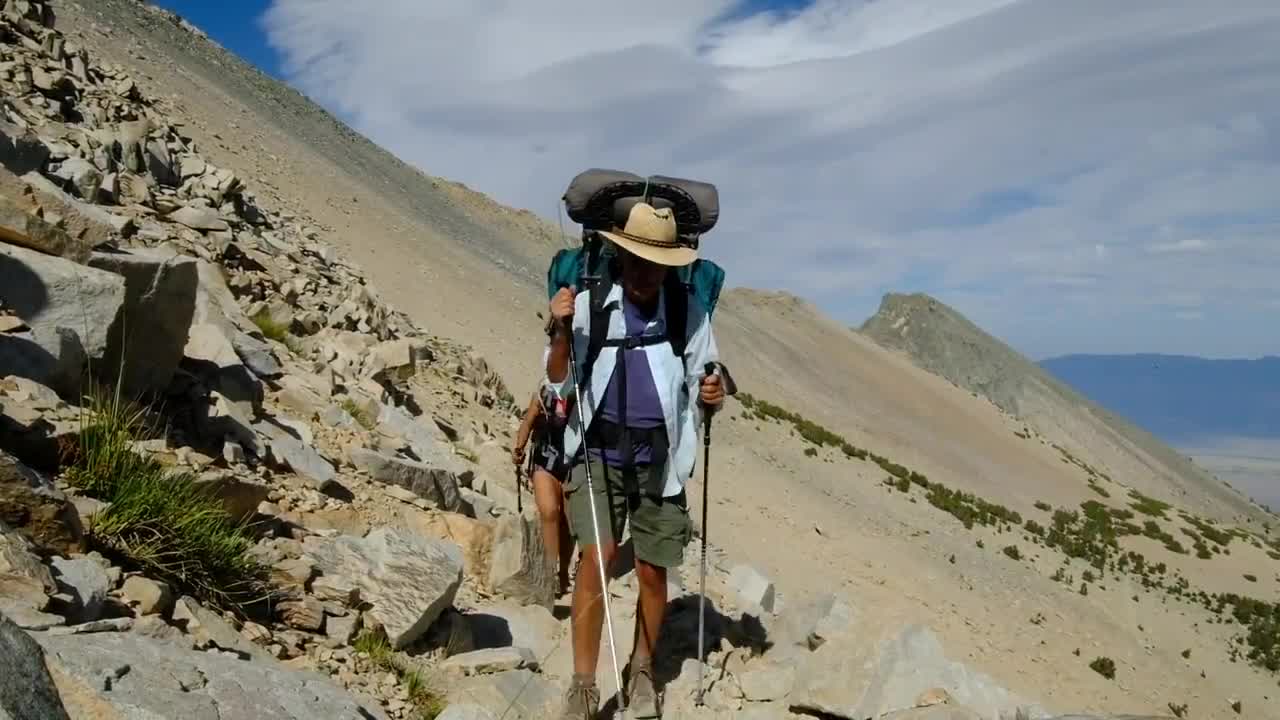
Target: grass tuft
{"type": "Point", "coordinates": [159, 520]}
{"type": "Point", "coordinates": [427, 703]}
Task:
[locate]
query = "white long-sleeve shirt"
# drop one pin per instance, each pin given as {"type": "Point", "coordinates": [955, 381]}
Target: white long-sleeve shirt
{"type": "Point", "coordinates": [677, 391]}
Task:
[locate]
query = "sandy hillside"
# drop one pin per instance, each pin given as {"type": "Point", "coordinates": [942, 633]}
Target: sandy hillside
{"type": "Point", "coordinates": [812, 518]}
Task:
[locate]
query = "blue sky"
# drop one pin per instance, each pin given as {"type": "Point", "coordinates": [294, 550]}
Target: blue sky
{"type": "Point", "coordinates": [1075, 177]}
{"type": "Point", "coordinates": [234, 24]}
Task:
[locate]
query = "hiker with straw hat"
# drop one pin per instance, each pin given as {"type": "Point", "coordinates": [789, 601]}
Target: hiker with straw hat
{"type": "Point", "coordinates": [638, 418]}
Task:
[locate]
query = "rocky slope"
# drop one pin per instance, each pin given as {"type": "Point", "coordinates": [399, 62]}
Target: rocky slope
{"type": "Point", "coordinates": [168, 232]}
{"type": "Point", "coordinates": [942, 341]}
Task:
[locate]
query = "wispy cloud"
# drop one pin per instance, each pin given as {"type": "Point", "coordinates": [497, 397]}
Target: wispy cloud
{"type": "Point", "coordinates": [1178, 246]}
{"type": "Point", "coordinates": [986, 145]}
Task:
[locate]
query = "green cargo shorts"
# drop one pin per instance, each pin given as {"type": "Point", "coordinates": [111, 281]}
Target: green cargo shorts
{"type": "Point", "coordinates": [660, 529]}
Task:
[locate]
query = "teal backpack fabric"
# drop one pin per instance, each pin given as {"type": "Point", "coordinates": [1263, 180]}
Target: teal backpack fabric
{"type": "Point", "coordinates": [703, 277]}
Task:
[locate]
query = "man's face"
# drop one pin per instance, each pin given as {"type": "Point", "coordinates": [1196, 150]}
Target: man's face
{"type": "Point", "coordinates": [641, 279]}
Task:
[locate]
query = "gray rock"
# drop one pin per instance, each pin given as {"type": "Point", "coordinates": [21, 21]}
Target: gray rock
{"type": "Point", "coordinates": [95, 626]}
{"type": "Point", "coordinates": [810, 625]}
{"type": "Point", "coordinates": [507, 624]}
{"type": "Point", "coordinates": [83, 176]}
{"type": "Point", "coordinates": [481, 506]}
{"type": "Point", "coordinates": [766, 682]}
{"type": "Point", "coordinates": [21, 151]}
{"type": "Point", "coordinates": [27, 691]}
{"type": "Point", "coordinates": [102, 223]}
{"type": "Point", "coordinates": [518, 566]}
{"type": "Point", "coordinates": [341, 630]}
{"type": "Point", "coordinates": [21, 227]}
{"type": "Point", "coordinates": [70, 309]}
{"type": "Point", "coordinates": [753, 589]}
{"type": "Point", "coordinates": [426, 442]}
{"type": "Point", "coordinates": [87, 584]}
{"type": "Point", "coordinates": [438, 486]}
{"type": "Point", "coordinates": [466, 711]}
{"type": "Point", "coordinates": [491, 660]}
{"type": "Point", "coordinates": [304, 614]}
{"type": "Point", "coordinates": [336, 588]}
{"type": "Point", "coordinates": [301, 459]}
{"type": "Point", "coordinates": [147, 342]}
{"type": "Point", "coordinates": [407, 579]}
{"type": "Point", "coordinates": [24, 617]}
{"type": "Point", "coordinates": [140, 677]}
{"type": "Point", "coordinates": [257, 355]}
{"type": "Point", "coordinates": [25, 582]}
{"type": "Point", "coordinates": [211, 351]}
{"type": "Point", "coordinates": [240, 496]}
{"type": "Point", "coordinates": [528, 695]}
{"type": "Point", "coordinates": [208, 629]}
{"type": "Point", "coordinates": [936, 712]}
{"type": "Point", "coordinates": [198, 218]}
{"type": "Point", "coordinates": [857, 679]}
{"type": "Point", "coordinates": [147, 596]}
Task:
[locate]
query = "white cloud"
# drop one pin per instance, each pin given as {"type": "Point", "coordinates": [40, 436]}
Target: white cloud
{"type": "Point", "coordinates": [1178, 246]}
{"type": "Point", "coordinates": [1065, 158]}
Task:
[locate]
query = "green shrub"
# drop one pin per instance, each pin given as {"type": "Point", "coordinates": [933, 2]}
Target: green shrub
{"type": "Point", "coordinates": [811, 452]}
{"type": "Point", "coordinates": [1104, 666]}
{"type": "Point", "coordinates": [1251, 578]}
{"type": "Point", "coordinates": [356, 412]}
{"type": "Point", "coordinates": [1148, 505]}
{"type": "Point", "coordinates": [1013, 552]}
{"type": "Point", "coordinates": [1042, 505]}
{"type": "Point", "coordinates": [158, 520]}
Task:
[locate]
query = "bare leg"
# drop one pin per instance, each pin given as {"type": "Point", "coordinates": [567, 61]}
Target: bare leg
{"type": "Point", "coordinates": [548, 496]}
{"type": "Point", "coordinates": [588, 608]}
{"type": "Point", "coordinates": [653, 607]}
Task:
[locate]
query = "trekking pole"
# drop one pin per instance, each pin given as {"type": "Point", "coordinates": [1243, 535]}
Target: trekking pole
{"type": "Point", "coordinates": [730, 389]}
{"type": "Point", "coordinates": [595, 527]}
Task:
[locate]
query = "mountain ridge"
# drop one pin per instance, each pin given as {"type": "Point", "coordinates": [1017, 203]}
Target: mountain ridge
{"type": "Point", "coordinates": [941, 340]}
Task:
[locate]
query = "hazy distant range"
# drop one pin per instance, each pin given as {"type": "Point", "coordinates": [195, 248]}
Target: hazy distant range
{"type": "Point", "coordinates": [1224, 413]}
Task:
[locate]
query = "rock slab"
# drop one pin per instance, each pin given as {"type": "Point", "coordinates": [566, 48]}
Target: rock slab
{"type": "Point", "coordinates": [408, 579]}
{"type": "Point", "coordinates": [70, 309]}
{"type": "Point", "coordinates": [138, 677]}
{"type": "Point", "coordinates": [146, 343]}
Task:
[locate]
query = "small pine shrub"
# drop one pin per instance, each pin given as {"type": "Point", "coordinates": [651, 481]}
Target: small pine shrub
{"type": "Point", "coordinates": [1012, 551]}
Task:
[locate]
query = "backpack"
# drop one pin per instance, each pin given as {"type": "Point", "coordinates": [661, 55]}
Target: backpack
{"type": "Point", "coordinates": [600, 199]}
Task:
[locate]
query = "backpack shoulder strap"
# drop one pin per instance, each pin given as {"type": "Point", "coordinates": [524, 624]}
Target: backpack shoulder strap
{"type": "Point", "coordinates": [598, 321]}
{"type": "Point", "coordinates": [677, 309]}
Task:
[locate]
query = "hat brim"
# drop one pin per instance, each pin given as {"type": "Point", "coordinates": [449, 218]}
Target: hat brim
{"type": "Point", "coordinates": [673, 257]}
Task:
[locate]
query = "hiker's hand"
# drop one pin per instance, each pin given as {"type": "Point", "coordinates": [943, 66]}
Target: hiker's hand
{"type": "Point", "coordinates": [562, 305]}
{"type": "Point", "coordinates": [517, 455]}
{"type": "Point", "coordinates": [712, 393]}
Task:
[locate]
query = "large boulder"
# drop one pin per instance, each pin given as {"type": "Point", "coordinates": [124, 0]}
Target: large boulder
{"type": "Point", "coordinates": [136, 677]}
{"type": "Point", "coordinates": [406, 578]}
{"type": "Point", "coordinates": [27, 692]}
{"type": "Point", "coordinates": [70, 309]}
{"type": "Point", "coordinates": [86, 583]}
{"type": "Point", "coordinates": [146, 344]}
{"type": "Point", "coordinates": [518, 563]}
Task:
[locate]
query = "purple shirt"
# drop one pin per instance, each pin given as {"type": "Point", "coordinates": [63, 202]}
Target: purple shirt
{"type": "Point", "coordinates": [644, 410]}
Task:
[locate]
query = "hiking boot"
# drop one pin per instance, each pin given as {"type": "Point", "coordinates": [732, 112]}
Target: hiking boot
{"type": "Point", "coordinates": [642, 697]}
{"type": "Point", "coordinates": [581, 700]}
